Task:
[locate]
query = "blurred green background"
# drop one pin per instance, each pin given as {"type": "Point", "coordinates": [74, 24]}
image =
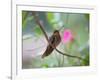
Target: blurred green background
{"type": "Point", "coordinates": [34, 42]}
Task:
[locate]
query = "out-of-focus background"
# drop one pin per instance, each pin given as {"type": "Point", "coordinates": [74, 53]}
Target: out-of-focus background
{"type": "Point", "coordinates": [74, 31]}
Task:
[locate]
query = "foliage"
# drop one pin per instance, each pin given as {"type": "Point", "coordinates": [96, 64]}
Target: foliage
{"type": "Point", "coordinates": [77, 23]}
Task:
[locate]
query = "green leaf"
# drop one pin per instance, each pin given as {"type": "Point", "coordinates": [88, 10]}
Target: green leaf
{"type": "Point", "coordinates": [24, 18]}
{"type": "Point", "coordinates": [30, 18]}
{"type": "Point", "coordinates": [37, 31]}
{"type": "Point", "coordinates": [86, 60]}
{"type": "Point", "coordinates": [50, 17]}
{"type": "Point", "coordinates": [87, 16]}
{"type": "Point", "coordinates": [45, 65]}
{"type": "Point", "coordinates": [86, 55]}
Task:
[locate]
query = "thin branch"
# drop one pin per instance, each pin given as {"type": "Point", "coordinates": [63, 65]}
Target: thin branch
{"type": "Point", "coordinates": [63, 60]}
{"type": "Point", "coordinates": [57, 59]}
{"type": "Point", "coordinates": [68, 54]}
{"type": "Point", "coordinates": [39, 22]}
{"type": "Point", "coordinates": [40, 25]}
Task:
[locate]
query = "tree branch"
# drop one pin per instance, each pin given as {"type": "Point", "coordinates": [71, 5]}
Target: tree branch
{"type": "Point", "coordinates": [39, 22]}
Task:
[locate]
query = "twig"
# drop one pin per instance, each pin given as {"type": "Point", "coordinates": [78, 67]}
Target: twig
{"type": "Point", "coordinates": [41, 27]}
{"type": "Point", "coordinates": [57, 57]}
{"type": "Point", "coordinates": [63, 60]}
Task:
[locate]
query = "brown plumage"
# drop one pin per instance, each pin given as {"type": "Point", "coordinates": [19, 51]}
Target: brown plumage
{"type": "Point", "coordinates": [55, 39]}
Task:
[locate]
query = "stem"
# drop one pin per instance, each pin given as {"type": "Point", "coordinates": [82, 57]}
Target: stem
{"type": "Point", "coordinates": [62, 60]}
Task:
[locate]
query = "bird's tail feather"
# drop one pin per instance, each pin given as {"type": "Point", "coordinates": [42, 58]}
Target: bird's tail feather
{"type": "Point", "coordinates": [48, 51]}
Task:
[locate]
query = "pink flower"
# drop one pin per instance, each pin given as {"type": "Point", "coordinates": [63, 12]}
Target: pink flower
{"type": "Point", "coordinates": [67, 36]}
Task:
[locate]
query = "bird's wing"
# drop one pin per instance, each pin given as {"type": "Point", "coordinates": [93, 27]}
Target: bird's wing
{"type": "Point", "coordinates": [52, 39]}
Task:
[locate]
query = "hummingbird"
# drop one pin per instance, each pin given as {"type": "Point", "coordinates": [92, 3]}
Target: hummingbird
{"type": "Point", "coordinates": [54, 40]}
